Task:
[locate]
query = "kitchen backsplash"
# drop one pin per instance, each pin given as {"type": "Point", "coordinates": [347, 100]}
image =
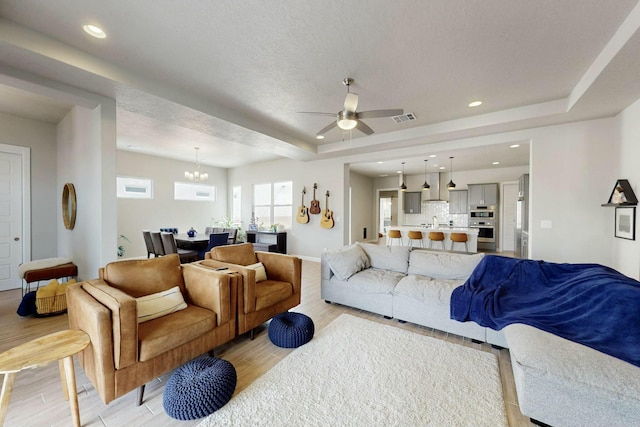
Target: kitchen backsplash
{"type": "Point", "coordinates": [439, 209]}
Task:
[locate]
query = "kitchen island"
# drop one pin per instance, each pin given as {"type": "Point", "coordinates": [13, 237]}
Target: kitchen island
{"type": "Point", "coordinates": [472, 236]}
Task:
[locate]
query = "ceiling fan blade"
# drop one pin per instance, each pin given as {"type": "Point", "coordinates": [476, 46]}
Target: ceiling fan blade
{"type": "Point", "coordinates": [374, 114]}
{"type": "Point", "coordinates": [364, 128]}
{"type": "Point", "coordinates": [327, 128]}
{"type": "Point", "coordinates": [351, 102]}
{"type": "Point", "coordinates": [316, 113]}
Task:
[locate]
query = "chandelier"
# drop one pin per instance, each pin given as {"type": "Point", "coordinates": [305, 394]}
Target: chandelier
{"type": "Point", "coordinates": [196, 175]}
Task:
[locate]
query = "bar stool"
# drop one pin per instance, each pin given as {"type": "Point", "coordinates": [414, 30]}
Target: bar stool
{"type": "Point", "coordinates": [393, 234]}
{"type": "Point", "coordinates": [415, 235]}
{"type": "Point", "coordinates": [459, 238]}
{"type": "Point", "coordinates": [436, 236]}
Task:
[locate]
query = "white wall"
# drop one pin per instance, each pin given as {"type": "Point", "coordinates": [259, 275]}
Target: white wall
{"type": "Point", "coordinates": [626, 253]}
{"type": "Point", "coordinates": [303, 239]}
{"type": "Point", "coordinates": [135, 215]}
{"type": "Point", "coordinates": [362, 216]}
{"type": "Point", "coordinates": [574, 168]}
{"type": "Point", "coordinates": [40, 137]}
{"type": "Point", "coordinates": [86, 158]}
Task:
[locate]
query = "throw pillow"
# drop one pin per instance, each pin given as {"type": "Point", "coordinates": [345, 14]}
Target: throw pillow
{"type": "Point", "coordinates": [261, 273]}
{"type": "Point", "coordinates": [27, 306]}
{"type": "Point", "coordinates": [394, 258]}
{"type": "Point", "coordinates": [443, 265]}
{"type": "Point", "coordinates": [346, 262]}
{"type": "Point", "coordinates": [160, 304]}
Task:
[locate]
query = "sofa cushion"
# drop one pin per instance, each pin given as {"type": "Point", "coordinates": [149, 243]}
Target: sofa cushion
{"type": "Point", "coordinates": [271, 292]}
{"type": "Point", "coordinates": [371, 281]}
{"type": "Point", "coordinates": [427, 289]}
{"type": "Point", "coordinates": [394, 258]}
{"type": "Point", "coordinates": [346, 262]}
{"type": "Point", "coordinates": [443, 265]}
{"type": "Point", "coordinates": [160, 304]}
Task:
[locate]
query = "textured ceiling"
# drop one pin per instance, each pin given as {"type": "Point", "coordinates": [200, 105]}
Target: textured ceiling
{"type": "Point", "coordinates": [232, 75]}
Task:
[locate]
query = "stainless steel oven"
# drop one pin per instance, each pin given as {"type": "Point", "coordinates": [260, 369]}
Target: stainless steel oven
{"type": "Point", "coordinates": [486, 230]}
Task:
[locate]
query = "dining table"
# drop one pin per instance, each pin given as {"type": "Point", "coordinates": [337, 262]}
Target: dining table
{"type": "Point", "coordinates": [198, 242]}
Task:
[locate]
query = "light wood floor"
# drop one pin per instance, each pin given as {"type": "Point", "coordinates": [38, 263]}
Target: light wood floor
{"type": "Point", "coordinates": [37, 394]}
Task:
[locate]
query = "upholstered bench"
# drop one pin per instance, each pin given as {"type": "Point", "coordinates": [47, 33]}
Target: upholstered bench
{"type": "Point", "coordinates": [199, 388]}
{"type": "Point", "coordinates": [291, 330]}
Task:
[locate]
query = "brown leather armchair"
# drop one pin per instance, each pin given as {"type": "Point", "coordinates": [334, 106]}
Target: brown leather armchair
{"type": "Point", "coordinates": [125, 354]}
{"type": "Point", "coordinates": [259, 301]}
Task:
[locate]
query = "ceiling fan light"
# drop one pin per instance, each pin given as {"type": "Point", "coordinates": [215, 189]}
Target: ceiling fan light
{"type": "Point", "coordinates": [347, 124]}
{"type": "Point", "coordinates": [347, 120]}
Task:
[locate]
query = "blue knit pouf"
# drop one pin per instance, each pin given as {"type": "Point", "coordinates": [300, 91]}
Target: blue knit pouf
{"type": "Point", "coordinates": [199, 388]}
{"type": "Point", "coordinates": [290, 330]}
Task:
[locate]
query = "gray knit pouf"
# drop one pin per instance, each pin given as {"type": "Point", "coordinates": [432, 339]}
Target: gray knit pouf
{"type": "Point", "coordinates": [199, 388]}
{"type": "Point", "coordinates": [291, 330]}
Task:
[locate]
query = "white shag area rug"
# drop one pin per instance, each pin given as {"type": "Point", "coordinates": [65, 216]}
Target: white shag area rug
{"type": "Point", "coordinates": [356, 372]}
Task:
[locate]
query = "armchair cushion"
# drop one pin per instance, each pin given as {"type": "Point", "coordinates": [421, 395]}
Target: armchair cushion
{"type": "Point", "coordinates": [142, 277]}
{"type": "Point", "coordinates": [160, 335]}
{"type": "Point", "coordinates": [242, 254]}
{"type": "Point", "coordinates": [160, 304]}
{"type": "Point", "coordinates": [271, 292]}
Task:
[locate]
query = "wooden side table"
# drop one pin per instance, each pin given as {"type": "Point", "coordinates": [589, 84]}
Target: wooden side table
{"type": "Point", "coordinates": [60, 346]}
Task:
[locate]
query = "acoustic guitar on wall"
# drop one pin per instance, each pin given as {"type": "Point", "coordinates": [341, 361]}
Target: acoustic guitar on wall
{"type": "Point", "coordinates": [327, 215]}
{"type": "Point", "coordinates": [303, 211]}
{"type": "Point", "coordinates": [315, 204]}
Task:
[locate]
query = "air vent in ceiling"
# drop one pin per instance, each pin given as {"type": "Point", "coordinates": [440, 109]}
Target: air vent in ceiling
{"type": "Point", "coordinates": [404, 118]}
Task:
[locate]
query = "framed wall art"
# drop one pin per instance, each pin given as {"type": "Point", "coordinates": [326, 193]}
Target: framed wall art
{"type": "Point", "coordinates": [626, 222]}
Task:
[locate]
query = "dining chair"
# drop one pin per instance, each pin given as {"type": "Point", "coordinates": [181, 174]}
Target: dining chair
{"type": "Point", "coordinates": [156, 240]}
{"type": "Point", "coordinates": [169, 230]}
{"type": "Point", "coordinates": [170, 247]}
{"type": "Point", "coordinates": [215, 239]}
{"type": "Point", "coordinates": [233, 235]}
{"type": "Point", "coordinates": [149, 243]}
{"type": "Point", "coordinates": [208, 230]}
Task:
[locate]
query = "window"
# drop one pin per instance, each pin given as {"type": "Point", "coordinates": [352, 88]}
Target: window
{"type": "Point", "coordinates": [197, 192]}
{"type": "Point", "coordinates": [134, 188]}
{"type": "Point", "coordinates": [273, 203]}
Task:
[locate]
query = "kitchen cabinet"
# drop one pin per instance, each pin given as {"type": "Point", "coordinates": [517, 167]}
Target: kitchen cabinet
{"type": "Point", "coordinates": [458, 201]}
{"type": "Point", "coordinates": [412, 202]}
{"type": "Point", "coordinates": [483, 195]}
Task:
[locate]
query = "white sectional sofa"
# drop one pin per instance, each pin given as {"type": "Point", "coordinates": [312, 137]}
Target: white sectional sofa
{"type": "Point", "coordinates": [412, 285]}
{"type": "Point", "coordinates": [563, 383]}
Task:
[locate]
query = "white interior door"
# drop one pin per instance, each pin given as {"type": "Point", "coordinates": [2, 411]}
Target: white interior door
{"type": "Point", "coordinates": [509, 198]}
{"type": "Point", "coordinates": [10, 219]}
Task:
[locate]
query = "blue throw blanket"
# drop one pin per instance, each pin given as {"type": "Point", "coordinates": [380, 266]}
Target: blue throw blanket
{"type": "Point", "coordinates": [587, 303]}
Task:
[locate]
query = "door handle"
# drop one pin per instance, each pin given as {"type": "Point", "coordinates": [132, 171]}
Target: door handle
{"type": "Point", "coordinates": [16, 239]}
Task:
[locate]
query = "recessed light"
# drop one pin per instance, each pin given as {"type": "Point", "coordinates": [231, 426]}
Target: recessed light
{"type": "Point", "coordinates": [442, 167]}
{"type": "Point", "coordinates": [94, 31]}
{"type": "Point", "coordinates": [380, 163]}
{"type": "Point", "coordinates": [433, 155]}
{"type": "Point", "coordinates": [132, 147]}
{"type": "Point", "coordinates": [383, 175]}
{"type": "Point", "coordinates": [319, 136]}
{"type": "Point", "coordinates": [475, 104]}
{"type": "Point", "coordinates": [514, 146]}
{"type": "Point", "coordinates": [495, 163]}
{"type": "Point", "coordinates": [398, 171]}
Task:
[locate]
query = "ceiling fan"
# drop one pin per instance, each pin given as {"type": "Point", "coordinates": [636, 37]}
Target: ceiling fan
{"type": "Point", "coordinates": [349, 118]}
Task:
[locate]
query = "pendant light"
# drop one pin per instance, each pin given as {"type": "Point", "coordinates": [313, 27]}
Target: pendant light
{"type": "Point", "coordinates": [403, 187]}
{"type": "Point", "coordinates": [425, 186]}
{"type": "Point", "coordinates": [196, 176]}
{"type": "Point", "coordinates": [451, 185]}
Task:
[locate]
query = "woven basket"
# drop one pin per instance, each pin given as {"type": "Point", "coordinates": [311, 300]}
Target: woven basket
{"type": "Point", "coordinates": [51, 305]}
